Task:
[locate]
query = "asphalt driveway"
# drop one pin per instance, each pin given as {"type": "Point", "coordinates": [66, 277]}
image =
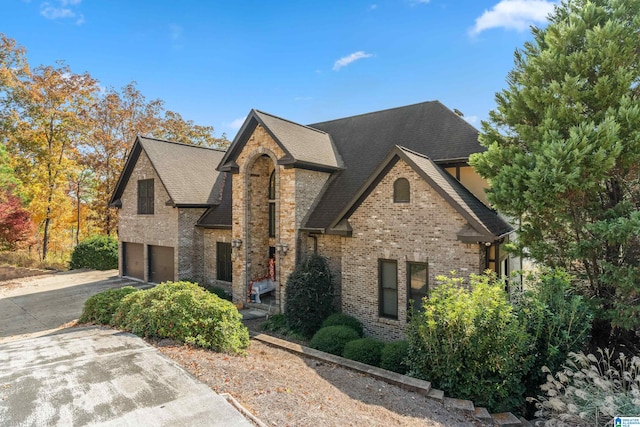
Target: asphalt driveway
{"type": "Point", "coordinates": [51, 375]}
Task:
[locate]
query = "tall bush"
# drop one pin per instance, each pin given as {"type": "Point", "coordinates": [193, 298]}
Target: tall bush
{"type": "Point", "coordinates": [310, 295]}
{"type": "Point", "coordinates": [470, 343]}
{"type": "Point", "coordinates": [98, 252]}
{"type": "Point", "coordinates": [185, 312]}
{"type": "Point", "coordinates": [558, 320]}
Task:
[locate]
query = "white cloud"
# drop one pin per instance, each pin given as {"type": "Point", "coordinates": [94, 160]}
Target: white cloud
{"type": "Point", "coordinates": [373, 7]}
{"type": "Point", "coordinates": [237, 123]}
{"type": "Point", "coordinates": [302, 98]}
{"type": "Point", "coordinates": [61, 10]}
{"type": "Point", "coordinates": [513, 15]}
{"type": "Point", "coordinates": [346, 60]}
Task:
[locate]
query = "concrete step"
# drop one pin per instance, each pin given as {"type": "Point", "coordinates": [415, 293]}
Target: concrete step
{"type": "Point", "coordinates": [506, 419]}
{"type": "Point", "coordinates": [459, 405]}
{"type": "Point", "coordinates": [483, 415]}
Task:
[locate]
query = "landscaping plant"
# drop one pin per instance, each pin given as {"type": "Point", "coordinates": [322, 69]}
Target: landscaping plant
{"type": "Point", "coordinates": [365, 350]}
{"type": "Point", "coordinates": [333, 339]}
{"type": "Point", "coordinates": [98, 252]}
{"type": "Point", "coordinates": [344, 319]}
{"type": "Point", "coordinates": [394, 356]}
{"type": "Point", "coordinates": [470, 343]}
{"type": "Point", "coordinates": [591, 390]}
{"type": "Point", "coordinates": [101, 307]}
{"type": "Point", "coordinates": [185, 312]}
{"type": "Point", "coordinates": [558, 321]}
{"type": "Point", "coordinates": [310, 295]}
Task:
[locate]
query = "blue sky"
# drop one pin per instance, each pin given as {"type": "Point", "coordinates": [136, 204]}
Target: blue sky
{"type": "Point", "coordinates": [307, 61]}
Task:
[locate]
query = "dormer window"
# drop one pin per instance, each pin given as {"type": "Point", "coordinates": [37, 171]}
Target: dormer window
{"type": "Point", "coordinates": [401, 193]}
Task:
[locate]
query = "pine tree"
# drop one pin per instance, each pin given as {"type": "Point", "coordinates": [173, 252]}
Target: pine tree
{"type": "Point", "coordinates": [563, 152]}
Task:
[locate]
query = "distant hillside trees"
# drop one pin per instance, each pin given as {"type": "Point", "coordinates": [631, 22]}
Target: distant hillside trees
{"type": "Point", "coordinates": [67, 139]}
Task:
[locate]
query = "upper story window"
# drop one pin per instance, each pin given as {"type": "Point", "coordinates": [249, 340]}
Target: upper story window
{"type": "Point", "coordinates": [145, 197]}
{"type": "Point", "coordinates": [401, 192]}
{"type": "Point", "coordinates": [272, 204]}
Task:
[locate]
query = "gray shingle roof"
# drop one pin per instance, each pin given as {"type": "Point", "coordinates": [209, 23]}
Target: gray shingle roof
{"type": "Point", "coordinates": [302, 143]}
{"type": "Point", "coordinates": [363, 141]}
{"type": "Point", "coordinates": [186, 171]}
{"type": "Point", "coordinates": [219, 215]}
{"type": "Point", "coordinates": [303, 146]}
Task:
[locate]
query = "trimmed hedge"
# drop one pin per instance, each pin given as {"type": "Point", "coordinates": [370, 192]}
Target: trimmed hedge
{"type": "Point", "coordinates": [332, 339]}
{"type": "Point", "coordinates": [97, 252]}
{"type": "Point", "coordinates": [346, 320]}
{"type": "Point", "coordinates": [100, 308]}
{"type": "Point", "coordinates": [185, 312]}
{"type": "Point", "coordinates": [365, 350]}
{"type": "Point", "coordinates": [394, 357]}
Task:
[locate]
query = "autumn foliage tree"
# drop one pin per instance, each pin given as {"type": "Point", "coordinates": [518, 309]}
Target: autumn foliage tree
{"type": "Point", "coordinates": [15, 221]}
{"type": "Point", "coordinates": [67, 141]}
{"type": "Point", "coordinates": [563, 152]}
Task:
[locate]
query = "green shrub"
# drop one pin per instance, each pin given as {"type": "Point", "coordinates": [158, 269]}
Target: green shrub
{"type": "Point", "coordinates": [470, 344]}
{"type": "Point", "coordinates": [101, 307]}
{"type": "Point", "coordinates": [97, 252]}
{"type": "Point", "coordinates": [220, 292]}
{"type": "Point", "coordinates": [185, 312]}
{"type": "Point", "coordinates": [309, 296]}
{"type": "Point", "coordinates": [332, 339]}
{"type": "Point", "coordinates": [365, 350]}
{"type": "Point", "coordinates": [276, 323]}
{"type": "Point", "coordinates": [591, 391]}
{"type": "Point", "coordinates": [394, 356]}
{"type": "Point", "coordinates": [344, 319]}
{"type": "Point", "coordinates": [558, 321]}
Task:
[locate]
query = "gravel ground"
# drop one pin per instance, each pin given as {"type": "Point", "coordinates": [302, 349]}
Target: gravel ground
{"type": "Point", "coordinates": [284, 389]}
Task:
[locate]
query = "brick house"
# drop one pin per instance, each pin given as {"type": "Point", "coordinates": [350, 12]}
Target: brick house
{"type": "Point", "coordinates": [387, 197]}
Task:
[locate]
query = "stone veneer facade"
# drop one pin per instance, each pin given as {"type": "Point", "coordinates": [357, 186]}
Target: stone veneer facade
{"type": "Point", "coordinates": [423, 230]}
{"type": "Point", "coordinates": [167, 226]}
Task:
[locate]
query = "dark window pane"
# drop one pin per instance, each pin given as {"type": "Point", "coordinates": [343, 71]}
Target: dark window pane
{"type": "Point", "coordinates": [145, 196]}
{"type": "Point", "coordinates": [223, 264]}
{"type": "Point", "coordinates": [272, 219]}
{"type": "Point", "coordinates": [388, 292]}
{"type": "Point", "coordinates": [272, 186]}
{"type": "Point", "coordinates": [401, 193]}
{"type": "Point", "coordinates": [418, 285]}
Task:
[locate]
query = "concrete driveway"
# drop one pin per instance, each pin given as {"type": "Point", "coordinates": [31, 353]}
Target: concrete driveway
{"type": "Point", "coordinates": [53, 376]}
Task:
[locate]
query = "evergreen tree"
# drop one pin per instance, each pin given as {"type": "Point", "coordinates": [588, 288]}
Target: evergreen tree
{"type": "Point", "coordinates": [563, 152]}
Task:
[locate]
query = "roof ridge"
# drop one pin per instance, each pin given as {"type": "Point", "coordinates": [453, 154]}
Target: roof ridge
{"type": "Point", "coordinates": [409, 150]}
{"type": "Point", "coordinates": [291, 121]}
{"type": "Point", "coordinates": [181, 143]}
{"type": "Point", "coordinates": [378, 111]}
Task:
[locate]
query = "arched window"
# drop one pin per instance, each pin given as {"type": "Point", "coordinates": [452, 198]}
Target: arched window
{"type": "Point", "coordinates": [401, 192]}
{"type": "Point", "coordinates": [272, 204]}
